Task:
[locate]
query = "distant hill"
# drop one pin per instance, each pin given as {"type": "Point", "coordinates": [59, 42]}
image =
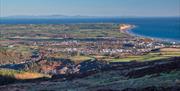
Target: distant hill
{"type": "Point", "coordinates": [53, 17]}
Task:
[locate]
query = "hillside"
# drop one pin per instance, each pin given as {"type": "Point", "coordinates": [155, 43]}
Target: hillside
{"type": "Point", "coordinates": [14, 55]}
{"type": "Point", "coordinates": [159, 75]}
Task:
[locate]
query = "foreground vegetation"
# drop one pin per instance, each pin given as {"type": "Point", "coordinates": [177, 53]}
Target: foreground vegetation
{"type": "Point", "coordinates": [21, 75]}
{"type": "Point", "coordinates": [105, 81]}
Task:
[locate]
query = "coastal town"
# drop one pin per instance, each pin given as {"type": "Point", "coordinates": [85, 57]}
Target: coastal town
{"type": "Point", "coordinates": [68, 51]}
{"type": "Point", "coordinates": [66, 46]}
{"type": "Point", "coordinates": [91, 46]}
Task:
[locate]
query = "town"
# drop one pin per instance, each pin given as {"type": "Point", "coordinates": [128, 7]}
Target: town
{"type": "Point", "coordinates": [68, 45]}
{"type": "Point", "coordinates": [63, 52]}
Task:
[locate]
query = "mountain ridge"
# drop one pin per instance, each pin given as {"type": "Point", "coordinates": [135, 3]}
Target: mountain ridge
{"type": "Point", "coordinates": [54, 16]}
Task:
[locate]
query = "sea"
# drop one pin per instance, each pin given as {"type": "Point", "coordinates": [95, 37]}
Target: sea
{"type": "Point", "coordinates": [164, 28]}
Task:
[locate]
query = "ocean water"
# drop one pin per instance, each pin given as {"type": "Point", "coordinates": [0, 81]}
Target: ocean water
{"type": "Point", "coordinates": [161, 28]}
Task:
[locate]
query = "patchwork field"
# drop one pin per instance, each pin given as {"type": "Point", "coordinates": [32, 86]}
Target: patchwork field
{"type": "Point", "coordinates": [162, 54]}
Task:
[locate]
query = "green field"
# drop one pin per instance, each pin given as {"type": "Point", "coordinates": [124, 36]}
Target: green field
{"type": "Point", "coordinates": [79, 59]}
{"type": "Point", "coordinates": [148, 57]}
{"type": "Point", "coordinates": [50, 31]}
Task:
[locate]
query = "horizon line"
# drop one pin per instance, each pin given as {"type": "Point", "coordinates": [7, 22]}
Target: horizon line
{"type": "Point", "coordinates": [86, 16]}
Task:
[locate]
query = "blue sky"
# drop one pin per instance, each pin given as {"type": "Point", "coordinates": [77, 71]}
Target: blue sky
{"type": "Point", "coordinates": [91, 7]}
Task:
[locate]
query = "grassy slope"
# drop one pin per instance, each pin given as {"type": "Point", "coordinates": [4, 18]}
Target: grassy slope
{"type": "Point", "coordinates": [104, 80]}
{"type": "Point", "coordinates": [21, 75]}
{"type": "Point", "coordinates": [79, 59]}
{"type": "Point", "coordinates": [149, 57]}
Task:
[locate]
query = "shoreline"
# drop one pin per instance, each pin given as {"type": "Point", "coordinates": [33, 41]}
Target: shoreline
{"type": "Point", "coordinates": [130, 32]}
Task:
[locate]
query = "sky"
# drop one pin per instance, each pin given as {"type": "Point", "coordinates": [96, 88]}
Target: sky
{"type": "Point", "coordinates": [91, 7]}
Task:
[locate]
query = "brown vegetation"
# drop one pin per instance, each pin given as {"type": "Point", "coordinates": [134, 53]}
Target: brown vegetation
{"type": "Point", "coordinates": [29, 75]}
{"type": "Point", "coordinates": [10, 57]}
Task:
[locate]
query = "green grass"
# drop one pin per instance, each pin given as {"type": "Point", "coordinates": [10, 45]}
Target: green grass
{"type": "Point", "coordinates": [9, 72]}
{"type": "Point", "coordinates": [148, 57]}
{"type": "Point", "coordinates": [78, 59]}
{"type": "Point", "coordinates": [77, 30]}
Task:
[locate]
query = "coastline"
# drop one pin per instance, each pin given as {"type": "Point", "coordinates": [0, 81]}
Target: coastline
{"type": "Point", "coordinates": [130, 32]}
